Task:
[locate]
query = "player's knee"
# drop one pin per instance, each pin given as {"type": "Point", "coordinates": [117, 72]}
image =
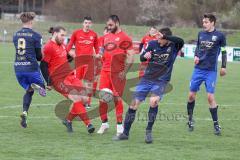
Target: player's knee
{"type": "Point", "coordinates": [154, 101]}
{"type": "Point", "coordinates": [134, 104]}
{"type": "Point", "coordinates": [30, 91]}
{"type": "Point", "coordinates": [210, 98]}
{"type": "Point", "coordinates": [191, 97]}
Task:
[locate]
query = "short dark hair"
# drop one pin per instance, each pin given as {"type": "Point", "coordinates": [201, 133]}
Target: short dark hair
{"type": "Point", "coordinates": [153, 27]}
{"type": "Point", "coordinates": [89, 18]}
{"type": "Point", "coordinates": [211, 17]}
{"type": "Point", "coordinates": [166, 31]}
{"type": "Point", "coordinates": [56, 29]}
{"type": "Point", "coordinates": [114, 18]}
{"type": "Point", "coordinates": [27, 16]}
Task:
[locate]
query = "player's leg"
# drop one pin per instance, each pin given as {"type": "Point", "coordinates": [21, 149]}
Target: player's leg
{"type": "Point", "coordinates": [88, 77]}
{"type": "Point", "coordinates": [142, 90]}
{"type": "Point", "coordinates": [157, 90]}
{"type": "Point", "coordinates": [152, 114]}
{"type": "Point", "coordinates": [190, 108]}
{"type": "Point", "coordinates": [197, 78]}
{"type": "Point", "coordinates": [103, 107]}
{"type": "Point", "coordinates": [118, 86]}
{"type": "Point", "coordinates": [27, 98]}
{"type": "Point", "coordinates": [128, 121]}
{"type": "Point", "coordinates": [210, 84]}
{"type": "Point", "coordinates": [119, 114]}
{"type": "Point", "coordinates": [37, 83]}
{"type": "Point", "coordinates": [79, 96]}
{"type": "Point", "coordinates": [79, 110]}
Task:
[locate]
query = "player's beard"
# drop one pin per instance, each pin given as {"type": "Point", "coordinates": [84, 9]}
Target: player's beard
{"type": "Point", "coordinates": [58, 41]}
{"type": "Point", "coordinates": [114, 30]}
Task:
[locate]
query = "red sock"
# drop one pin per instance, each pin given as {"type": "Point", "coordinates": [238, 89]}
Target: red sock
{"type": "Point", "coordinates": [103, 108]}
{"type": "Point", "coordinates": [119, 110]}
{"type": "Point", "coordinates": [80, 110]}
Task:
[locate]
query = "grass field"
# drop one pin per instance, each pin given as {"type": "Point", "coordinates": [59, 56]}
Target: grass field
{"type": "Point", "coordinates": [46, 137]}
{"type": "Point", "coordinates": [137, 32]}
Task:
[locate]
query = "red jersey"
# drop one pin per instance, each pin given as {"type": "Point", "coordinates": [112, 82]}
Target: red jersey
{"type": "Point", "coordinates": [115, 51]}
{"type": "Point", "coordinates": [146, 39]}
{"type": "Point", "coordinates": [56, 57]}
{"type": "Point", "coordinates": [85, 42]}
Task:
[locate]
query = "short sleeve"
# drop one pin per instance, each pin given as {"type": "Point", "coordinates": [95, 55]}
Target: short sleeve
{"type": "Point", "coordinates": [47, 53]}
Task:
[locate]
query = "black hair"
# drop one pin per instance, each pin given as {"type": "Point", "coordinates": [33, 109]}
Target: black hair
{"type": "Point", "coordinates": [166, 31]}
{"type": "Point", "coordinates": [114, 18]}
{"type": "Point", "coordinates": [56, 29]}
{"type": "Point", "coordinates": [211, 17]}
{"type": "Point", "coordinates": [153, 27]}
{"type": "Point", "coordinates": [89, 18]}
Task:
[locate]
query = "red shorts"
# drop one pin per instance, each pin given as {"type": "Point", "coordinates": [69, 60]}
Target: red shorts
{"type": "Point", "coordinates": [70, 85]}
{"type": "Point", "coordinates": [113, 82]}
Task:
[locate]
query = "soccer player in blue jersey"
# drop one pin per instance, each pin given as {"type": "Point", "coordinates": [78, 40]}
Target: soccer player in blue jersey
{"type": "Point", "coordinates": [28, 45]}
{"type": "Point", "coordinates": [161, 54]}
{"type": "Point", "coordinates": [209, 45]}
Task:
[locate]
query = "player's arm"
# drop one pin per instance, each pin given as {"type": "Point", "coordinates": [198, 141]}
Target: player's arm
{"type": "Point", "coordinates": [146, 53]}
{"type": "Point", "coordinates": [140, 47]}
{"type": "Point", "coordinates": [141, 44]}
{"type": "Point", "coordinates": [129, 60]}
{"type": "Point", "coordinates": [96, 45]}
{"type": "Point", "coordinates": [71, 42]}
{"type": "Point", "coordinates": [44, 64]}
{"type": "Point", "coordinates": [45, 73]}
{"type": "Point", "coordinates": [179, 42]}
{"type": "Point", "coordinates": [38, 54]}
{"type": "Point", "coordinates": [196, 54]}
{"type": "Point", "coordinates": [224, 56]}
{"type": "Point", "coordinates": [38, 46]}
{"type": "Point", "coordinates": [128, 63]}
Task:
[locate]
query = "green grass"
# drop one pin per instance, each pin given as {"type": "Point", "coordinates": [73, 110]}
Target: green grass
{"type": "Point", "coordinates": [137, 32]}
{"type": "Point", "coordinates": [46, 137]}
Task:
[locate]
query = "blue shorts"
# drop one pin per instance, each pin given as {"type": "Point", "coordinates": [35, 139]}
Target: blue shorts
{"type": "Point", "coordinates": [145, 86]}
{"type": "Point", "coordinates": [199, 76]}
{"type": "Point", "coordinates": [25, 79]}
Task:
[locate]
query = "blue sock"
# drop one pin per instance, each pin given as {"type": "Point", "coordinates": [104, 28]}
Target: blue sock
{"type": "Point", "coordinates": [190, 108]}
{"type": "Point", "coordinates": [27, 99]}
{"type": "Point", "coordinates": [152, 114]}
{"type": "Point", "coordinates": [129, 119]}
{"type": "Point", "coordinates": [214, 114]}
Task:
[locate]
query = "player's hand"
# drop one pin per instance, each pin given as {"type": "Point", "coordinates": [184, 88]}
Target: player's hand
{"type": "Point", "coordinates": [49, 88]}
{"type": "Point", "coordinates": [122, 75]}
{"type": "Point", "coordinates": [98, 56]}
{"type": "Point", "coordinates": [196, 60]}
{"type": "Point", "coordinates": [72, 53]}
{"type": "Point", "coordinates": [223, 72]}
{"type": "Point", "coordinates": [148, 55]}
{"type": "Point", "coordinates": [159, 35]}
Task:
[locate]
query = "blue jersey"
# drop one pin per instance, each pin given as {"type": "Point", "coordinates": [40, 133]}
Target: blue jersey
{"type": "Point", "coordinates": [26, 41]}
{"type": "Point", "coordinates": [208, 49]}
{"type": "Point", "coordinates": [163, 57]}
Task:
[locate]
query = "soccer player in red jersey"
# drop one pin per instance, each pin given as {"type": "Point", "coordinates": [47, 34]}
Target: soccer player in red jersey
{"type": "Point", "coordinates": [86, 46]}
{"type": "Point", "coordinates": [117, 59]}
{"type": "Point", "coordinates": [58, 74]}
{"type": "Point", "coordinates": [151, 35]}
